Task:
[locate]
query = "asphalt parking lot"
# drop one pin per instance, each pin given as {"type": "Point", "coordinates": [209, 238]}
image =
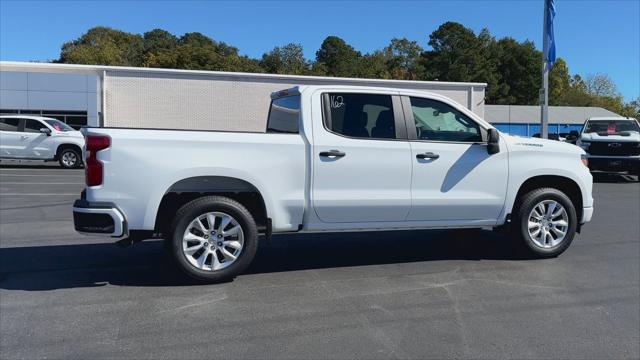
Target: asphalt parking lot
{"type": "Point", "coordinates": [426, 294]}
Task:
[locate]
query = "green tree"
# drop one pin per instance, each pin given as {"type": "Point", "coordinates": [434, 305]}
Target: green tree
{"type": "Point", "coordinates": [288, 59]}
{"type": "Point", "coordinates": [518, 69]}
{"type": "Point", "coordinates": [459, 55]}
{"type": "Point", "coordinates": [338, 57]}
{"type": "Point", "coordinates": [103, 46]}
{"type": "Point", "coordinates": [159, 48]}
{"type": "Point", "coordinates": [402, 57]}
{"type": "Point", "coordinates": [559, 83]}
{"type": "Point", "coordinates": [373, 66]}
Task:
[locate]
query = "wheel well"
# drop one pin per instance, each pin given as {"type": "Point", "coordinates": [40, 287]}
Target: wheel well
{"type": "Point", "coordinates": [566, 185]}
{"type": "Point", "coordinates": [190, 189]}
{"type": "Point", "coordinates": [68, 146]}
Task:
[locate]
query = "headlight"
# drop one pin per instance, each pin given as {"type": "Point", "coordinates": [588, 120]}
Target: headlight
{"type": "Point", "coordinates": [583, 144]}
{"type": "Point", "coordinates": [585, 160]}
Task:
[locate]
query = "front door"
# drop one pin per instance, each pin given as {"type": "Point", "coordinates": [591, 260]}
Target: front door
{"type": "Point", "coordinates": [36, 145]}
{"type": "Point", "coordinates": [361, 159]}
{"type": "Point", "coordinates": [454, 178]}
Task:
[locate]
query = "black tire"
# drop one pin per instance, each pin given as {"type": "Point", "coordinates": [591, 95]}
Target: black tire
{"type": "Point", "coordinates": [69, 153]}
{"type": "Point", "coordinates": [198, 207]}
{"type": "Point", "coordinates": [520, 225]}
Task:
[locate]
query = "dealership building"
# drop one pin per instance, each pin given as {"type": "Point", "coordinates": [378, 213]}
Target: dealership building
{"type": "Point", "coordinates": [206, 100]}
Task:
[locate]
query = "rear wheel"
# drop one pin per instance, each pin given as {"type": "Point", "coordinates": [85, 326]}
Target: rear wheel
{"type": "Point", "coordinates": [213, 239]}
{"type": "Point", "coordinates": [546, 222]}
{"type": "Point", "coordinates": [69, 158]}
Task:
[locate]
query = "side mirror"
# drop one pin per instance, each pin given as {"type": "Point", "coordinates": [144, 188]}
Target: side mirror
{"type": "Point", "coordinates": [45, 131]}
{"type": "Point", "coordinates": [493, 141]}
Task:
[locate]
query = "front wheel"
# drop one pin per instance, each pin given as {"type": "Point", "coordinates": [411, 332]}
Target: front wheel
{"type": "Point", "coordinates": [546, 222]}
{"type": "Point", "coordinates": [69, 158]}
{"type": "Point", "coordinates": [213, 239]}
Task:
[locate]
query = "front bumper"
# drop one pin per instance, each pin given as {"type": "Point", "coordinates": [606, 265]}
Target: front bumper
{"type": "Point", "coordinates": [99, 218]}
{"type": "Point", "coordinates": [587, 214]}
{"type": "Point", "coordinates": [614, 164]}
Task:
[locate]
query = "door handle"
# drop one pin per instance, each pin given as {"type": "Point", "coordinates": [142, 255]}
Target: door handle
{"type": "Point", "coordinates": [24, 137]}
{"type": "Point", "coordinates": [427, 155]}
{"type": "Point", "coordinates": [332, 153]}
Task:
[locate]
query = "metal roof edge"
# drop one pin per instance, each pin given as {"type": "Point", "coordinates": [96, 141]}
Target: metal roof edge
{"type": "Point", "coordinates": [98, 69]}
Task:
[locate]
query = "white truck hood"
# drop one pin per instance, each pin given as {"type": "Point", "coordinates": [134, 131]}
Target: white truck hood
{"type": "Point", "coordinates": [537, 144]}
{"type": "Point", "coordinates": [633, 136]}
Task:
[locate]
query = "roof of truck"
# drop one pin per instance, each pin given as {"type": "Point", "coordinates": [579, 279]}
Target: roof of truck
{"type": "Point", "coordinates": [610, 118]}
{"type": "Point", "coordinates": [21, 116]}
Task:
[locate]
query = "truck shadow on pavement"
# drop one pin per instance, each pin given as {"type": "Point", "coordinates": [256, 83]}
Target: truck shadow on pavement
{"type": "Point", "coordinates": [40, 268]}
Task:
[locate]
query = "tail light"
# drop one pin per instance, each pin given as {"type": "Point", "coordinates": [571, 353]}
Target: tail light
{"type": "Point", "coordinates": [93, 167]}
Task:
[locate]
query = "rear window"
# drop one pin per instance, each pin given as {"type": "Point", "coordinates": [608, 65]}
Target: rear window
{"type": "Point", "coordinates": [284, 115]}
{"type": "Point", "coordinates": [8, 124]}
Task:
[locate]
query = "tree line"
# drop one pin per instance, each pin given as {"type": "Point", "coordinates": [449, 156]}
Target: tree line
{"type": "Point", "coordinates": [510, 68]}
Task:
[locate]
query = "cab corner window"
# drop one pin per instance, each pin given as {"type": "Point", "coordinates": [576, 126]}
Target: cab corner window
{"type": "Point", "coordinates": [284, 115]}
{"type": "Point", "coordinates": [437, 121]}
{"type": "Point", "coordinates": [360, 115]}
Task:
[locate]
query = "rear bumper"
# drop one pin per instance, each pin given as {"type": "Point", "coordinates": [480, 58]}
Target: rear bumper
{"type": "Point", "coordinates": [99, 218]}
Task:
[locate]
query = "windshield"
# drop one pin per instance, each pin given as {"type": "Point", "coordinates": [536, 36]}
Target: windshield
{"type": "Point", "coordinates": [59, 125]}
{"type": "Point", "coordinates": [611, 127]}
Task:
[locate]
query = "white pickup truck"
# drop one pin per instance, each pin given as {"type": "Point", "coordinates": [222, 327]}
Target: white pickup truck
{"type": "Point", "coordinates": [333, 158]}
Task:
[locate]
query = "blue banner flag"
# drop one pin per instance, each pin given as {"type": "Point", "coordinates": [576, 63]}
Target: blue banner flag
{"type": "Point", "coordinates": [549, 41]}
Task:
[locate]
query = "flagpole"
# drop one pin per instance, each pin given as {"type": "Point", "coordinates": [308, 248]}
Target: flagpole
{"type": "Point", "coordinates": [544, 92]}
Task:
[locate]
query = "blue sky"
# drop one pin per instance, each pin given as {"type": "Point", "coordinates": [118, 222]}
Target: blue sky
{"type": "Point", "coordinates": [592, 36]}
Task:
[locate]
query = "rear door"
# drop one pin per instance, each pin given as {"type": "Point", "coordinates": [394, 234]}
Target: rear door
{"type": "Point", "coordinates": [454, 177]}
{"type": "Point", "coordinates": [361, 159]}
{"type": "Point", "coordinates": [10, 137]}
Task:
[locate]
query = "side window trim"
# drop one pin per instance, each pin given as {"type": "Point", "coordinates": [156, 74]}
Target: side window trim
{"type": "Point", "coordinates": [398, 117]}
{"type": "Point", "coordinates": [411, 127]}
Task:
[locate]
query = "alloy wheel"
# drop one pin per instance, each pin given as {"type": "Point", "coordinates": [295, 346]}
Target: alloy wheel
{"type": "Point", "coordinates": [213, 241]}
{"type": "Point", "coordinates": [548, 224]}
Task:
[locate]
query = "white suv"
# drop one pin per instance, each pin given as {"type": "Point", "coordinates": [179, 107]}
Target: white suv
{"type": "Point", "coordinates": [40, 138]}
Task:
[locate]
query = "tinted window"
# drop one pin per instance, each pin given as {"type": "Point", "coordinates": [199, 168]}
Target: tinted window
{"type": "Point", "coordinates": [361, 115]}
{"type": "Point", "coordinates": [9, 124]}
{"type": "Point", "coordinates": [284, 115]}
{"type": "Point", "coordinates": [33, 126]}
{"type": "Point", "coordinates": [611, 127]}
{"type": "Point", "coordinates": [436, 120]}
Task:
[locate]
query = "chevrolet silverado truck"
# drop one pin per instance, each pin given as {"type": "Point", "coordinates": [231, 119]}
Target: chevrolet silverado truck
{"type": "Point", "coordinates": [332, 159]}
{"type": "Point", "coordinates": [612, 144]}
